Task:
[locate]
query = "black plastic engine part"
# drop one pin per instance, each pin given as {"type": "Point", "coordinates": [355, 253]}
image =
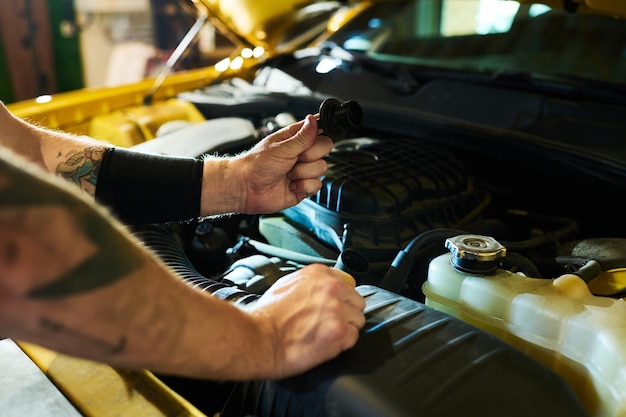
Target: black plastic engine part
{"type": "Point", "coordinates": [412, 360]}
{"type": "Point", "coordinates": [388, 191]}
{"type": "Point", "coordinates": [610, 252]}
{"type": "Point", "coordinates": [159, 239]}
{"type": "Point", "coordinates": [398, 273]}
{"type": "Point", "coordinates": [256, 273]}
{"type": "Point", "coordinates": [337, 118]}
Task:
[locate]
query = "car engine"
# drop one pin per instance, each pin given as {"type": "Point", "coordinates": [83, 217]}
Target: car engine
{"type": "Point", "coordinates": [395, 191]}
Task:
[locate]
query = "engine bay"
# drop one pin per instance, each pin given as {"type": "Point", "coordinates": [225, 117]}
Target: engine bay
{"type": "Point", "coordinates": [388, 204]}
{"type": "Point", "coordinates": [382, 190]}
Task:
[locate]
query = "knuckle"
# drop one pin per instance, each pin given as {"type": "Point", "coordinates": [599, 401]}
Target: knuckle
{"type": "Point", "coordinates": [336, 330]}
{"type": "Point", "coordinates": [316, 269]}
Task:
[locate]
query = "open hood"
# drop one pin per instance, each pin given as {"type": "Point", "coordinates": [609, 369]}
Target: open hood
{"type": "Point", "coordinates": [283, 26]}
{"type": "Point", "coordinates": [279, 25]}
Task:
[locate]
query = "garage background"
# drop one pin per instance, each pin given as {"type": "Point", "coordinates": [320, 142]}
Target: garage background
{"type": "Point", "coordinates": [52, 46]}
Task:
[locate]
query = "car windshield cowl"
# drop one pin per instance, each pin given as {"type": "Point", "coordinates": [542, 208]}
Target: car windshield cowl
{"type": "Point", "coordinates": [550, 84]}
{"type": "Point", "coordinates": [494, 37]}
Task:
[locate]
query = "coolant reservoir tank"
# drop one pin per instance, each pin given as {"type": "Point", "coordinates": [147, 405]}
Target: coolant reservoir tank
{"type": "Point", "coordinates": [557, 321]}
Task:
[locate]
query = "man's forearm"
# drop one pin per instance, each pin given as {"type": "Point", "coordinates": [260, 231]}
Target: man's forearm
{"type": "Point", "coordinates": [74, 158]}
{"type": "Point", "coordinates": [223, 191]}
{"type": "Point", "coordinates": [74, 280]}
{"type": "Point", "coordinates": [148, 321]}
{"type": "Point", "coordinates": [79, 161]}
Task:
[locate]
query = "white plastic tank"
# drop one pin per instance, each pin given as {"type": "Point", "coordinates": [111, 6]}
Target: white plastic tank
{"type": "Point", "coordinates": [580, 336]}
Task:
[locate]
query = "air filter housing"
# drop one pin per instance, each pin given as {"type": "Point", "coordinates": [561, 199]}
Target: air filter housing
{"type": "Point", "coordinates": [412, 360]}
{"type": "Point", "coordinates": [386, 192]}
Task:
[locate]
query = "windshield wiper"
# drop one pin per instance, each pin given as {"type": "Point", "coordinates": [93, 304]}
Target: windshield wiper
{"type": "Point", "coordinates": [405, 78]}
{"type": "Point", "coordinates": [398, 78]}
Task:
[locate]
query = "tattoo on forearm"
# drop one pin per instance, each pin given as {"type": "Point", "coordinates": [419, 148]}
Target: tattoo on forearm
{"type": "Point", "coordinates": [81, 167]}
{"type": "Point", "coordinates": [115, 256]}
{"type": "Point", "coordinates": [109, 347]}
{"type": "Point", "coordinates": [99, 270]}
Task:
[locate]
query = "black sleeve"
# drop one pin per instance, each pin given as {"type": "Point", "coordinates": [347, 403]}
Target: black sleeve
{"type": "Point", "coordinates": [143, 188]}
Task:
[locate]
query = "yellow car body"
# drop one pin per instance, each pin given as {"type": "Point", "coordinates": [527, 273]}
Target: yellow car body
{"type": "Point", "coordinates": [119, 115]}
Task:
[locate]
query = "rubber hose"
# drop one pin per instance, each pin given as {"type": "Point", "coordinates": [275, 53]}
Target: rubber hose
{"type": "Point", "coordinates": [161, 241]}
{"type": "Point", "coordinates": [398, 273]}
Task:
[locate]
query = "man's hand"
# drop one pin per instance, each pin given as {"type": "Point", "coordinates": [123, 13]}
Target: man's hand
{"type": "Point", "coordinates": [284, 168]}
{"type": "Point", "coordinates": [309, 317]}
{"type": "Point", "coordinates": [278, 172]}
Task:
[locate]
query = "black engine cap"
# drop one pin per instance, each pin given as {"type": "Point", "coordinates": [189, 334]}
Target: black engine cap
{"type": "Point", "coordinates": [336, 118]}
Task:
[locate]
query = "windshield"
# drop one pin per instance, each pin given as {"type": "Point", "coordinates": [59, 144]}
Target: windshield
{"type": "Point", "coordinates": [490, 35]}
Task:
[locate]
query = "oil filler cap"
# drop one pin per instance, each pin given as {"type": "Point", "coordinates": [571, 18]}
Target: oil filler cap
{"type": "Point", "coordinates": [475, 254]}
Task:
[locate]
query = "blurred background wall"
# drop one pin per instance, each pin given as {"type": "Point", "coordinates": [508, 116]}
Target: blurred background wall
{"type": "Point", "coordinates": [51, 46]}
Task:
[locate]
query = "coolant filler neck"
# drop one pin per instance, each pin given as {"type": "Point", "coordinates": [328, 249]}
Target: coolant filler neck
{"type": "Point", "coordinates": [475, 254]}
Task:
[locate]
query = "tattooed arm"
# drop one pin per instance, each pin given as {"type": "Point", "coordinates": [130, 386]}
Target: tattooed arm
{"type": "Point", "coordinates": [277, 173]}
{"type": "Point", "coordinates": [74, 280]}
{"type": "Point", "coordinates": [76, 159]}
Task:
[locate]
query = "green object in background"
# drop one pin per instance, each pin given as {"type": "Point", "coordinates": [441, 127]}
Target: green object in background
{"type": "Point", "coordinates": [6, 91]}
{"type": "Point", "coordinates": [68, 64]}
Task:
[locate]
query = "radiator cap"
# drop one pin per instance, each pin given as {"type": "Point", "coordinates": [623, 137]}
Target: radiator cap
{"type": "Point", "coordinates": [475, 254]}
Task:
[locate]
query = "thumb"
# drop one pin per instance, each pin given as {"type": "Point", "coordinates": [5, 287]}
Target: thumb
{"type": "Point", "coordinates": [303, 138]}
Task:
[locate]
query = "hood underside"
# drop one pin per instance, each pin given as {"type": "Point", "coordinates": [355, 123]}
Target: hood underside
{"type": "Point", "coordinates": [262, 22]}
{"type": "Point", "coordinates": [265, 23]}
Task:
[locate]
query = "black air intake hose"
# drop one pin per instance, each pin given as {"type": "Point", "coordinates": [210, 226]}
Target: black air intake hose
{"type": "Point", "coordinates": [161, 241]}
{"type": "Point", "coordinates": [400, 268]}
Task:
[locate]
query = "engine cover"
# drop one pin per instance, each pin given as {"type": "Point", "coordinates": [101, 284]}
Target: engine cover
{"type": "Point", "coordinates": [385, 192]}
{"type": "Point", "coordinates": [412, 360]}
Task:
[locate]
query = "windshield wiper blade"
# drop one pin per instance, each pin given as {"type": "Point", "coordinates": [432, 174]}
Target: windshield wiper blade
{"type": "Point", "coordinates": [398, 78]}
